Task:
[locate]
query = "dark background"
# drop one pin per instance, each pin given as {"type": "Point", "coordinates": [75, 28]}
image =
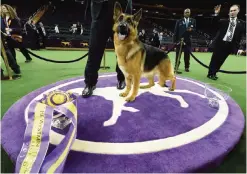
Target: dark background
{"type": "Point", "coordinates": [71, 10]}
{"type": "Point", "coordinates": [159, 14]}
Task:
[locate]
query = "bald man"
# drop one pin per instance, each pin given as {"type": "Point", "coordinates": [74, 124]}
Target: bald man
{"type": "Point", "coordinates": [227, 40]}
{"type": "Point", "coordinates": [183, 29]}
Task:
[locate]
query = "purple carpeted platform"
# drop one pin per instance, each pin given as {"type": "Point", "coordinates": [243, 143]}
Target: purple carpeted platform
{"type": "Point", "coordinates": [161, 131]}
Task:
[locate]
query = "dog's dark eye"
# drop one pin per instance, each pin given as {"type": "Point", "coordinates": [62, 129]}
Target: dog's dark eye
{"type": "Point", "coordinates": [129, 20]}
{"type": "Point", "coordinates": [120, 18]}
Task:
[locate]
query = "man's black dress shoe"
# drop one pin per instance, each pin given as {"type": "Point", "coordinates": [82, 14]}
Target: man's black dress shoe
{"type": "Point", "coordinates": [88, 91]}
{"type": "Point", "coordinates": [212, 77]}
{"type": "Point", "coordinates": [178, 72]}
{"type": "Point", "coordinates": [28, 60]}
{"type": "Point", "coordinates": [121, 85]}
{"type": "Point", "coordinates": [187, 70]}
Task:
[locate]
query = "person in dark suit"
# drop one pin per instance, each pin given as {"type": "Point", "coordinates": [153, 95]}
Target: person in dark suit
{"type": "Point", "coordinates": [8, 13]}
{"type": "Point", "coordinates": [32, 35]}
{"type": "Point", "coordinates": [11, 60]}
{"type": "Point", "coordinates": [227, 39]}
{"type": "Point", "coordinates": [21, 46]}
{"type": "Point", "coordinates": [42, 34]}
{"type": "Point", "coordinates": [155, 38]}
{"type": "Point", "coordinates": [101, 29]}
{"type": "Point", "coordinates": [183, 29]}
{"type": "Point", "coordinates": [142, 36]}
{"type": "Point", "coordinates": [12, 27]}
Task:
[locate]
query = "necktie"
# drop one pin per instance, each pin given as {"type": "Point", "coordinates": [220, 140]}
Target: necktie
{"type": "Point", "coordinates": [230, 31]}
{"type": "Point", "coordinates": [186, 22]}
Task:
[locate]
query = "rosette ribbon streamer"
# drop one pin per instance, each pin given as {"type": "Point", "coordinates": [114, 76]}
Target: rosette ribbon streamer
{"type": "Point", "coordinates": [32, 157]}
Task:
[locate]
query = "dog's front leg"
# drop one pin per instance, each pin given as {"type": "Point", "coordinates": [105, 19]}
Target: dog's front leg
{"type": "Point", "coordinates": [136, 84]}
{"type": "Point", "coordinates": [128, 87]}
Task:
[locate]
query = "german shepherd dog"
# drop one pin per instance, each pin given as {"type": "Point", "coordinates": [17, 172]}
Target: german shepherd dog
{"type": "Point", "coordinates": [136, 59]}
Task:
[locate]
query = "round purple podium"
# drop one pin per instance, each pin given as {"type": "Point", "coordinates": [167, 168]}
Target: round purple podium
{"type": "Point", "coordinates": [161, 131]}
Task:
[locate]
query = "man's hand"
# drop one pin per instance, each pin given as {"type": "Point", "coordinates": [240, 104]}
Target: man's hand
{"type": "Point", "coordinates": [240, 52]}
{"type": "Point", "coordinates": [8, 30]}
{"type": "Point", "coordinates": [189, 29]}
{"type": "Point", "coordinates": [217, 9]}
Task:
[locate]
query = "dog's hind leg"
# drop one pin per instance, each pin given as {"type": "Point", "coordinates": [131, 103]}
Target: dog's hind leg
{"type": "Point", "coordinates": [173, 79]}
{"type": "Point", "coordinates": [150, 82]}
{"type": "Point", "coordinates": [162, 79]}
{"type": "Point", "coordinates": [165, 71]}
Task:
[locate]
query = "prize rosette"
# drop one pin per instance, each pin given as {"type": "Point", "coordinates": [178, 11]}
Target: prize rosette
{"type": "Point", "coordinates": [54, 99]}
{"type": "Point", "coordinates": [58, 109]}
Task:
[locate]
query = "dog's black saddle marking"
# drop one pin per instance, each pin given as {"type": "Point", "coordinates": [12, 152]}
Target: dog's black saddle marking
{"type": "Point", "coordinates": [153, 57]}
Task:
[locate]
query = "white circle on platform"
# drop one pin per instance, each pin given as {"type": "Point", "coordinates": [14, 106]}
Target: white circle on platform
{"type": "Point", "coordinates": [145, 146]}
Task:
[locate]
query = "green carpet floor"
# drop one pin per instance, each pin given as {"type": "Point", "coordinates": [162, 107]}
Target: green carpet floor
{"type": "Point", "coordinates": [40, 73]}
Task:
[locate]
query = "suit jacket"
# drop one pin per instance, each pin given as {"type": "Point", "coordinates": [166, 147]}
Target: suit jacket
{"type": "Point", "coordinates": [181, 30]}
{"type": "Point", "coordinates": [14, 24]}
{"type": "Point", "coordinates": [222, 26]}
{"type": "Point", "coordinates": [142, 37]}
{"type": "Point", "coordinates": [16, 32]}
{"type": "Point", "coordinates": [97, 7]}
{"type": "Point", "coordinates": [155, 40]}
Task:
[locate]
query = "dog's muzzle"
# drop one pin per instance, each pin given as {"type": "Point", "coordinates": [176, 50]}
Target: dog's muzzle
{"type": "Point", "coordinates": [123, 30]}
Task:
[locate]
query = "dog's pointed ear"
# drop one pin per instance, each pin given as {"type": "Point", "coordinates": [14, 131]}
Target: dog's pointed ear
{"type": "Point", "coordinates": [138, 15]}
{"type": "Point", "coordinates": [117, 10]}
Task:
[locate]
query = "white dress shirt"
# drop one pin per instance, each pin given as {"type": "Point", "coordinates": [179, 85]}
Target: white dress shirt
{"type": "Point", "coordinates": [186, 21]}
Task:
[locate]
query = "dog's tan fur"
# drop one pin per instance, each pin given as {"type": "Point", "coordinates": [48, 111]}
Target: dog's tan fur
{"type": "Point", "coordinates": [131, 57]}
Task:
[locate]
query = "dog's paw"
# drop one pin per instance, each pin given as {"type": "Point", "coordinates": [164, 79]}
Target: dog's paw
{"type": "Point", "coordinates": [171, 89]}
{"type": "Point", "coordinates": [163, 85]}
{"type": "Point", "coordinates": [123, 94]}
{"type": "Point", "coordinates": [130, 99]}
